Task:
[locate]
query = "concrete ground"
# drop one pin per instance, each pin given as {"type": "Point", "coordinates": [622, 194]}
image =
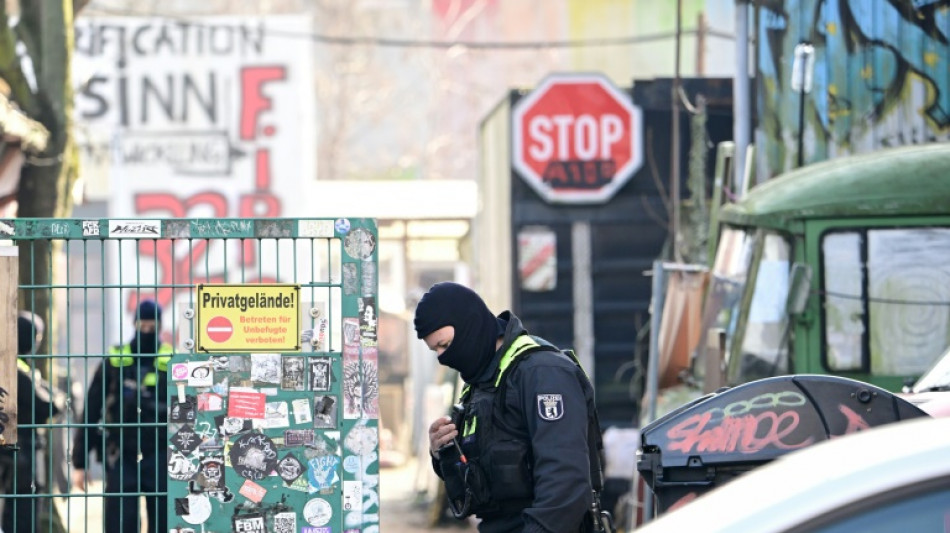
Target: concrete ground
{"type": "Point", "coordinates": [403, 509]}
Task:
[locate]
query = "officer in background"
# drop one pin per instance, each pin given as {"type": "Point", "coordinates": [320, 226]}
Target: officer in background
{"type": "Point", "coordinates": [521, 450]}
{"type": "Point", "coordinates": [133, 382]}
{"type": "Point", "coordinates": [20, 472]}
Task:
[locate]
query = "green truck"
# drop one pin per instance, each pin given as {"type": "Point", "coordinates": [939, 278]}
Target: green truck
{"type": "Point", "coordinates": [841, 267]}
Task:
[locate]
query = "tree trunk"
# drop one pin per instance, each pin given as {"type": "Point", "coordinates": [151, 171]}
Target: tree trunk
{"type": "Point", "coordinates": [37, 199]}
{"type": "Point", "coordinates": [47, 179]}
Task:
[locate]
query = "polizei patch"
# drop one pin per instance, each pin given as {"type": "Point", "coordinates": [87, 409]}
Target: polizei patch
{"type": "Point", "coordinates": [550, 406]}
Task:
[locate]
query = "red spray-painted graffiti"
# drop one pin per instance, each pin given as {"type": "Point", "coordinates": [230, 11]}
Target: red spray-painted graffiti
{"type": "Point", "coordinates": [748, 433]}
{"type": "Point", "coordinates": [855, 421]}
{"type": "Point", "coordinates": [744, 434]}
{"type": "Point", "coordinates": [176, 267]}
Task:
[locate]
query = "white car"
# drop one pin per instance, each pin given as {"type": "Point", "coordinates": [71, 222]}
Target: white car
{"type": "Point", "coordinates": [892, 478]}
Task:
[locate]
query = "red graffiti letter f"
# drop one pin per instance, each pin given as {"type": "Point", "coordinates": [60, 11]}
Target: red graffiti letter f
{"type": "Point", "coordinates": [253, 101]}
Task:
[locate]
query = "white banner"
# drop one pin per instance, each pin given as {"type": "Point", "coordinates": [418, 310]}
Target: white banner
{"type": "Point", "coordinates": [202, 117]}
{"type": "Point", "coordinates": [208, 117]}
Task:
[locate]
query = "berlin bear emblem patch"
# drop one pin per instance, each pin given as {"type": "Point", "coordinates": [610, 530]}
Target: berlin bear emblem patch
{"type": "Point", "coordinates": [550, 406]}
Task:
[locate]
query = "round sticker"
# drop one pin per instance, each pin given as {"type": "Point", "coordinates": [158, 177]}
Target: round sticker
{"type": "Point", "coordinates": [359, 244]}
{"type": "Point", "coordinates": [317, 512]}
{"type": "Point", "coordinates": [199, 509]}
{"type": "Point", "coordinates": [351, 464]}
{"type": "Point", "coordinates": [180, 371]}
{"type": "Point", "coordinates": [342, 226]}
{"type": "Point", "coordinates": [253, 456]}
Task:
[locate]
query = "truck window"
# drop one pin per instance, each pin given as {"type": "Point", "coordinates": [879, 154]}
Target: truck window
{"type": "Point", "coordinates": [893, 283]}
{"type": "Point", "coordinates": [844, 300]}
{"type": "Point", "coordinates": [764, 341]}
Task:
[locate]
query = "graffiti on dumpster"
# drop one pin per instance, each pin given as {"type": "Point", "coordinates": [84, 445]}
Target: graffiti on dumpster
{"type": "Point", "coordinates": [751, 425]}
{"type": "Point", "coordinates": [745, 434]}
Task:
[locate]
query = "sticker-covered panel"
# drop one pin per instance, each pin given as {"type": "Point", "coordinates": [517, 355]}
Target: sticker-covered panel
{"type": "Point", "coordinates": [273, 395]}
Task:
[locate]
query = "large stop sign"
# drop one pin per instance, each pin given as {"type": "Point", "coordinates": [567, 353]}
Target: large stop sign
{"type": "Point", "coordinates": [576, 138]}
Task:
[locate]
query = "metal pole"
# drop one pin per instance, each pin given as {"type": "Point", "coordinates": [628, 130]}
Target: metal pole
{"type": "Point", "coordinates": [675, 145]}
{"type": "Point", "coordinates": [801, 82]}
{"type": "Point", "coordinates": [701, 44]}
{"type": "Point", "coordinates": [742, 102]}
{"type": "Point", "coordinates": [801, 121]}
{"type": "Point", "coordinates": [583, 296]}
{"type": "Point", "coordinates": [657, 301]}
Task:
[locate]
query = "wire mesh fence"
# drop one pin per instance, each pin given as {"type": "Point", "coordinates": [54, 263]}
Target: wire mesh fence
{"type": "Point", "coordinates": [195, 374]}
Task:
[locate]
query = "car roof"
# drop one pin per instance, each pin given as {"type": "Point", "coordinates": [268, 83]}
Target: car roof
{"type": "Point", "coordinates": [820, 479]}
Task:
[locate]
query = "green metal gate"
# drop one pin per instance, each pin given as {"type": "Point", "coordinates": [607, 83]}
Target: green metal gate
{"type": "Point", "coordinates": [268, 420]}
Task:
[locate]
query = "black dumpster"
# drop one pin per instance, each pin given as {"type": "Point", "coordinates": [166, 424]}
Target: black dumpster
{"type": "Point", "coordinates": [720, 436]}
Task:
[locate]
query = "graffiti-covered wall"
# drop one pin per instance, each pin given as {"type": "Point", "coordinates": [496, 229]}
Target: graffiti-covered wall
{"type": "Point", "coordinates": [881, 78]}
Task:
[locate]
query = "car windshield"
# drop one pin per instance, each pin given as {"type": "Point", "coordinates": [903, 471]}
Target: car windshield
{"type": "Point", "coordinates": [937, 378]}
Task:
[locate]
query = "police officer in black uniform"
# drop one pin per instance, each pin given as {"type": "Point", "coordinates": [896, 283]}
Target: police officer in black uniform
{"type": "Point", "coordinates": [517, 453]}
{"type": "Point", "coordinates": [133, 380]}
{"type": "Point", "coordinates": [20, 471]}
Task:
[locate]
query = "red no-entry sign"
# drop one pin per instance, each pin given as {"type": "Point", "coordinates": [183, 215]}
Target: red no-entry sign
{"type": "Point", "coordinates": [219, 329]}
{"type": "Point", "coordinates": [576, 138]}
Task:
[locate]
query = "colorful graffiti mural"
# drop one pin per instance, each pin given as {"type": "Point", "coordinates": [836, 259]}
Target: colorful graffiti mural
{"type": "Point", "coordinates": [881, 78]}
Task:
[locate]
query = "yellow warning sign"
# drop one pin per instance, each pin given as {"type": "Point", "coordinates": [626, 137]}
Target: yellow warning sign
{"type": "Point", "coordinates": [247, 318]}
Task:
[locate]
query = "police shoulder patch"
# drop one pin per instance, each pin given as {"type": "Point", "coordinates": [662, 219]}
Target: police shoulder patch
{"type": "Point", "coordinates": [550, 406]}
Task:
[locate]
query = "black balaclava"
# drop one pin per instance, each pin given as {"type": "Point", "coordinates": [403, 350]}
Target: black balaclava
{"type": "Point", "coordinates": [476, 329]}
{"type": "Point", "coordinates": [142, 342]}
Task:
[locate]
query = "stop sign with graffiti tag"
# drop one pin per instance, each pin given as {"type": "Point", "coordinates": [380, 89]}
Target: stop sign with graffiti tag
{"type": "Point", "coordinates": [576, 138]}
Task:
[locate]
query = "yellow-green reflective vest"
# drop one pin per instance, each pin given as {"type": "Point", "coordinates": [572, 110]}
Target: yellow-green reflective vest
{"type": "Point", "coordinates": [126, 359]}
{"type": "Point", "coordinates": [518, 347]}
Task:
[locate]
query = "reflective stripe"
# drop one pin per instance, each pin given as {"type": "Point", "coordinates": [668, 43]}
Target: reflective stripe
{"type": "Point", "coordinates": [126, 349]}
{"type": "Point", "coordinates": [23, 365]}
{"type": "Point", "coordinates": [161, 363]}
{"type": "Point", "coordinates": [150, 379]}
{"type": "Point", "coordinates": [119, 362]}
{"type": "Point", "coordinates": [521, 344]}
{"type": "Point", "coordinates": [573, 356]}
{"type": "Point", "coordinates": [470, 426]}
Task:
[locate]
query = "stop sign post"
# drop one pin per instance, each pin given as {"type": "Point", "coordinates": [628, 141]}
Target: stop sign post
{"type": "Point", "coordinates": [576, 138]}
